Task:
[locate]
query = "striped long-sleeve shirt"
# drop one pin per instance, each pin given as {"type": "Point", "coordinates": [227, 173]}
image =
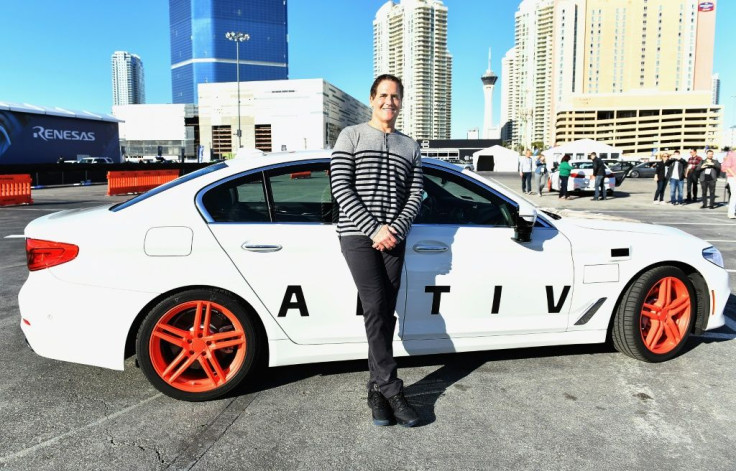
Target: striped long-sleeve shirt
{"type": "Point", "coordinates": [376, 179]}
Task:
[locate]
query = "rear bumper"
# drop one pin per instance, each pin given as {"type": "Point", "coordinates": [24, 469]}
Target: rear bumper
{"type": "Point", "coordinates": [77, 323]}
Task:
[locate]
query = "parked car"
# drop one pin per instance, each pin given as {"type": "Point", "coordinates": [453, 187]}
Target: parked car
{"type": "Point", "coordinates": [581, 178]}
{"type": "Point", "coordinates": [643, 170]}
{"type": "Point", "coordinates": [619, 168]}
{"type": "Point", "coordinates": [237, 265]}
{"type": "Point", "coordinates": [95, 160]}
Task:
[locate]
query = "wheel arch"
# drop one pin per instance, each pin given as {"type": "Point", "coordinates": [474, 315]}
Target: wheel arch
{"type": "Point", "coordinates": [262, 355]}
{"type": "Point", "coordinates": [702, 300]}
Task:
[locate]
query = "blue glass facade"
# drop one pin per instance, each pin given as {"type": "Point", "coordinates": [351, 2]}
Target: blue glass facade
{"type": "Point", "coordinates": [200, 52]}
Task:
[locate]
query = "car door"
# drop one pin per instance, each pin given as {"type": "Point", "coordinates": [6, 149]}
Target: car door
{"type": "Point", "coordinates": [466, 276]}
{"type": "Point", "coordinates": [277, 228]}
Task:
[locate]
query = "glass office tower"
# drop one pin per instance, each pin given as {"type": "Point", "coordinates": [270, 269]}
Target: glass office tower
{"type": "Point", "coordinates": [200, 52]}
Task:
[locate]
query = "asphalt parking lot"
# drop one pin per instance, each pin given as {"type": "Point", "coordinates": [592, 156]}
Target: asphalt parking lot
{"type": "Point", "coordinates": [557, 408]}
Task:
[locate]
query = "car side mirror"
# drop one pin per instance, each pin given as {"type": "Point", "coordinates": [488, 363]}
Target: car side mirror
{"type": "Point", "coordinates": [525, 220]}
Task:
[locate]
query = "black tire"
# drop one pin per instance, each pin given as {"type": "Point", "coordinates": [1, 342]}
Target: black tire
{"type": "Point", "coordinates": [609, 192]}
{"type": "Point", "coordinates": [634, 174]}
{"type": "Point", "coordinates": [635, 334]}
{"type": "Point", "coordinates": [213, 357]}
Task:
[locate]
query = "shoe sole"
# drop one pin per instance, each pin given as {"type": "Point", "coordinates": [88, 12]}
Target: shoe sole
{"type": "Point", "coordinates": [381, 423]}
{"type": "Point", "coordinates": [411, 423]}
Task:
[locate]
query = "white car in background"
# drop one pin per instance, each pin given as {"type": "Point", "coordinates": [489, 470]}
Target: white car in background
{"type": "Point", "coordinates": [581, 178]}
{"type": "Point", "coordinates": [238, 265]}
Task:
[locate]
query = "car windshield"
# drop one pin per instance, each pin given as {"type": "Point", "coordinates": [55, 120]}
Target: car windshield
{"type": "Point", "coordinates": [582, 165]}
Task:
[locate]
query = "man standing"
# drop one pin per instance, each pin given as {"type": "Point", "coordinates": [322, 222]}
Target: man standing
{"type": "Point", "coordinates": [675, 175]}
{"type": "Point", "coordinates": [729, 167]}
{"type": "Point", "coordinates": [692, 177]}
{"type": "Point", "coordinates": [599, 171]}
{"type": "Point", "coordinates": [376, 179]}
{"type": "Point", "coordinates": [525, 172]}
{"type": "Point", "coordinates": [708, 171]}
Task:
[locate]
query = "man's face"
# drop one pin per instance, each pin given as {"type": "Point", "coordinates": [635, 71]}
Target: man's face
{"type": "Point", "coordinates": [387, 103]}
{"type": "Point", "coordinates": [692, 153]}
{"type": "Point", "coordinates": [709, 154]}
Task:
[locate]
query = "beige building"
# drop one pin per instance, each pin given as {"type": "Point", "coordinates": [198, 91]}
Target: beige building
{"type": "Point", "coordinates": [410, 41]}
{"type": "Point", "coordinates": [274, 115]}
{"type": "Point", "coordinates": [617, 64]}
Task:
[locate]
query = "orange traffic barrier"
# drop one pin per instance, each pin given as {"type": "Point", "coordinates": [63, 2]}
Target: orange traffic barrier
{"type": "Point", "coordinates": [137, 181]}
{"type": "Point", "coordinates": [306, 174]}
{"type": "Point", "coordinates": [15, 189]}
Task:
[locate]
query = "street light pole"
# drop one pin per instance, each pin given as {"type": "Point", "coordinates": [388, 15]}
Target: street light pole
{"type": "Point", "coordinates": [238, 37]}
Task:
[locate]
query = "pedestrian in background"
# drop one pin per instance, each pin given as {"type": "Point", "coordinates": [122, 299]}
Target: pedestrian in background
{"type": "Point", "coordinates": [541, 173]}
{"type": "Point", "coordinates": [708, 171]}
{"type": "Point", "coordinates": [692, 176]}
{"type": "Point", "coordinates": [659, 177]}
{"type": "Point", "coordinates": [599, 171]}
{"type": "Point", "coordinates": [729, 167]}
{"type": "Point", "coordinates": [564, 172]}
{"type": "Point", "coordinates": [376, 179]}
{"type": "Point", "coordinates": [676, 176]}
{"type": "Point", "coordinates": [525, 172]}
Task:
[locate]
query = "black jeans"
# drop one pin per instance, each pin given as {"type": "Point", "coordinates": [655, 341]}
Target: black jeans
{"type": "Point", "coordinates": [692, 186]}
{"type": "Point", "coordinates": [377, 276]}
{"type": "Point", "coordinates": [659, 193]}
{"type": "Point", "coordinates": [709, 185]}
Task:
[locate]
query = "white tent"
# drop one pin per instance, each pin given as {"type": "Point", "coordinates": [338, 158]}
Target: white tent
{"type": "Point", "coordinates": [580, 150]}
{"type": "Point", "coordinates": [495, 159]}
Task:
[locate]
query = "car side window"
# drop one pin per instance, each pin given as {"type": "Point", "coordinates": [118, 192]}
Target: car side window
{"type": "Point", "coordinates": [239, 200]}
{"type": "Point", "coordinates": [453, 200]}
{"type": "Point", "coordinates": [297, 193]}
{"type": "Point", "coordinates": [302, 194]}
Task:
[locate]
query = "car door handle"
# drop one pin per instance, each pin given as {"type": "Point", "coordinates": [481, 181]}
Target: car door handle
{"type": "Point", "coordinates": [261, 247]}
{"type": "Point", "coordinates": [430, 248]}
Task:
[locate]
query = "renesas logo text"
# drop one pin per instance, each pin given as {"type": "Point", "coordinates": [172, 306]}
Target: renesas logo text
{"type": "Point", "coordinates": [706, 6]}
{"type": "Point", "coordinates": [40, 132]}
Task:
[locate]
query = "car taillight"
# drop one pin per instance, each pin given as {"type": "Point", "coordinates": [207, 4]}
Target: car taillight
{"type": "Point", "coordinates": [45, 254]}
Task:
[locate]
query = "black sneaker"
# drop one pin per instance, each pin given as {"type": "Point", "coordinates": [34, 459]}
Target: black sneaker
{"type": "Point", "coordinates": [380, 408]}
{"type": "Point", "coordinates": [405, 414]}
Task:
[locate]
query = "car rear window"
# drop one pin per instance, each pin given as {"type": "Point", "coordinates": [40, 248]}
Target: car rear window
{"type": "Point", "coordinates": [166, 186]}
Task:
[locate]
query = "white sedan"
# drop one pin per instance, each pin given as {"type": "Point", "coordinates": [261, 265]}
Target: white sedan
{"type": "Point", "coordinates": [238, 265]}
{"type": "Point", "coordinates": [581, 178]}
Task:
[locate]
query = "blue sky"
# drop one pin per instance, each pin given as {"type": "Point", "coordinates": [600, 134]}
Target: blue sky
{"type": "Point", "coordinates": [57, 53]}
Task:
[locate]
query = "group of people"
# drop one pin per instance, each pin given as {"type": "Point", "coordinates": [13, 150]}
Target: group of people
{"type": "Point", "coordinates": [530, 166]}
{"type": "Point", "coordinates": [687, 175]}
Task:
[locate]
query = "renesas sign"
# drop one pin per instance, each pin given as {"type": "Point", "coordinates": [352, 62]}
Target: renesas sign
{"type": "Point", "coordinates": [34, 138]}
{"type": "Point", "coordinates": [40, 132]}
{"type": "Point", "coordinates": [706, 6]}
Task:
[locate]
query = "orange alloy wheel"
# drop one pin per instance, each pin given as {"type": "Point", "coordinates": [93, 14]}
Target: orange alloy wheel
{"type": "Point", "coordinates": [197, 346]}
{"type": "Point", "coordinates": [665, 315]}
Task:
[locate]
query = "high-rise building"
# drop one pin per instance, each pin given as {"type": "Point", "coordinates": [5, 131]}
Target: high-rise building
{"type": "Point", "coordinates": [410, 41]}
{"type": "Point", "coordinates": [507, 95]}
{"type": "Point", "coordinates": [201, 53]}
{"type": "Point", "coordinates": [608, 69]}
{"type": "Point", "coordinates": [128, 84]}
{"type": "Point", "coordinates": [716, 89]}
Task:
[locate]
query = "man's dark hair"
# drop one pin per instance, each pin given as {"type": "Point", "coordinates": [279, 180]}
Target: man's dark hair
{"type": "Point", "coordinates": [694, 150]}
{"type": "Point", "coordinates": [391, 78]}
{"type": "Point", "coordinates": [566, 157]}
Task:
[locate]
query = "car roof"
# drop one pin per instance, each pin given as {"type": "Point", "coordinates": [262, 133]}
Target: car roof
{"type": "Point", "coordinates": [260, 159]}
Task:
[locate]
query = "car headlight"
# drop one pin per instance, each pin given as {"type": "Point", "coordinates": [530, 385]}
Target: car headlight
{"type": "Point", "coordinates": [713, 255]}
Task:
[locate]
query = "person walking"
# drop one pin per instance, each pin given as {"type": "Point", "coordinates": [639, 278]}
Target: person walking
{"type": "Point", "coordinates": [692, 177]}
{"type": "Point", "coordinates": [525, 172]}
{"type": "Point", "coordinates": [660, 178]}
{"type": "Point", "coordinates": [540, 174]}
{"type": "Point", "coordinates": [376, 179]}
{"type": "Point", "coordinates": [564, 172]}
{"type": "Point", "coordinates": [675, 175]}
{"type": "Point", "coordinates": [599, 171]}
{"type": "Point", "coordinates": [708, 171]}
